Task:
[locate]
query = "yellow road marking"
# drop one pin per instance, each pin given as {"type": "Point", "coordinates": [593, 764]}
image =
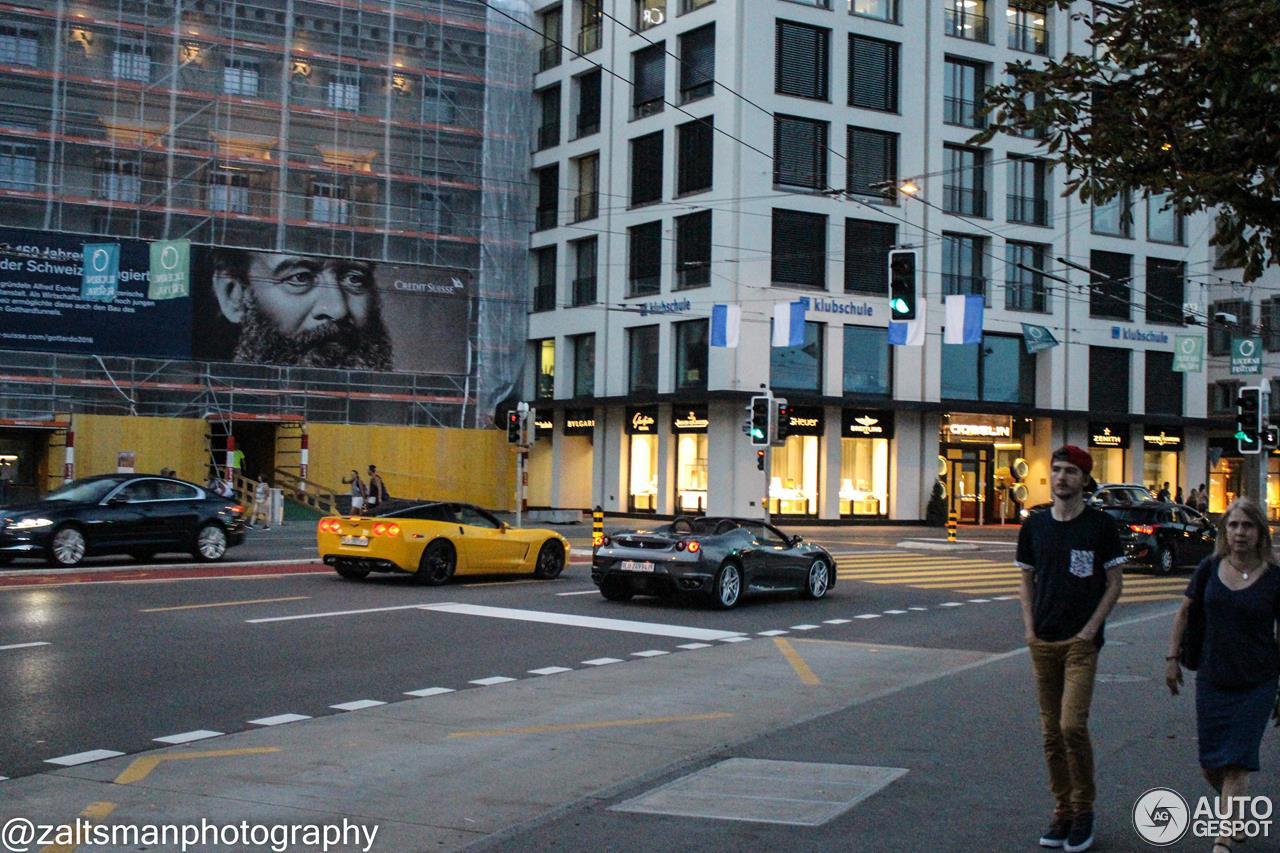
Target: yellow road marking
{"type": "Point", "coordinates": [142, 767]}
{"type": "Point", "coordinates": [925, 574]}
{"type": "Point", "coordinates": [225, 604]}
{"type": "Point", "coordinates": [797, 663]}
{"type": "Point", "coordinates": [92, 812]}
{"type": "Point", "coordinates": [603, 724]}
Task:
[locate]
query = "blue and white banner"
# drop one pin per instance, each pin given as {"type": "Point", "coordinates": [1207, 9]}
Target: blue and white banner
{"type": "Point", "coordinates": [1038, 338]}
{"type": "Point", "coordinates": [963, 318]}
{"type": "Point", "coordinates": [101, 277]}
{"type": "Point", "coordinates": [788, 324]}
{"type": "Point", "coordinates": [726, 322]}
{"type": "Point", "coordinates": [909, 333]}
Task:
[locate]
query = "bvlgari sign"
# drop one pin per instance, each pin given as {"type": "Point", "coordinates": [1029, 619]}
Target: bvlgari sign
{"type": "Point", "coordinates": [867, 423]}
{"type": "Point", "coordinates": [579, 421]}
{"type": "Point", "coordinates": [1109, 435]}
{"type": "Point", "coordinates": [689, 419]}
{"type": "Point", "coordinates": [642, 420]}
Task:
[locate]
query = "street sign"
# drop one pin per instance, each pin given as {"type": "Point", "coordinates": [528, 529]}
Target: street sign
{"type": "Point", "coordinates": [1246, 355]}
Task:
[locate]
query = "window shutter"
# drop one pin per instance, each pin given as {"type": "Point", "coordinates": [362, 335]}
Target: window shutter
{"type": "Point", "coordinates": [1107, 298]}
{"type": "Point", "coordinates": [799, 152]}
{"type": "Point", "coordinates": [800, 61]}
{"type": "Point", "coordinates": [646, 168]}
{"type": "Point", "coordinates": [872, 158]}
{"type": "Point", "coordinates": [693, 249]}
{"type": "Point", "coordinates": [799, 255]}
{"type": "Point", "coordinates": [873, 74]}
{"type": "Point", "coordinates": [646, 251]}
{"type": "Point", "coordinates": [650, 74]}
{"type": "Point", "coordinates": [866, 256]}
{"type": "Point", "coordinates": [697, 58]}
{"type": "Point", "coordinates": [697, 146]}
{"type": "Point", "coordinates": [589, 101]}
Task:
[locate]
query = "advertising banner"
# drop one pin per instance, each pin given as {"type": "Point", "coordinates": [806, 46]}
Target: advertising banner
{"type": "Point", "coordinates": [170, 273]}
{"type": "Point", "coordinates": [1246, 356]}
{"type": "Point", "coordinates": [101, 271]}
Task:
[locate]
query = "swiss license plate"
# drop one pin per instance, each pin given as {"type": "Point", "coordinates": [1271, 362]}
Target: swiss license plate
{"type": "Point", "coordinates": [636, 566]}
{"type": "Point", "coordinates": [362, 541]}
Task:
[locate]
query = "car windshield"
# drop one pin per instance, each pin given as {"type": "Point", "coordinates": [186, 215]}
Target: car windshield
{"type": "Point", "coordinates": [83, 491]}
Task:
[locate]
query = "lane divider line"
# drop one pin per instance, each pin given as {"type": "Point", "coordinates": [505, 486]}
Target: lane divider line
{"type": "Point", "coordinates": [429, 691]}
{"type": "Point", "coordinates": [187, 737]}
{"type": "Point", "coordinates": [225, 604]}
{"type": "Point", "coordinates": [22, 646]}
{"type": "Point", "coordinates": [797, 663]}
{"type": "Point", "coordinates": [279, 720]}
{"type": "Point", "coordinates": [358, 705]}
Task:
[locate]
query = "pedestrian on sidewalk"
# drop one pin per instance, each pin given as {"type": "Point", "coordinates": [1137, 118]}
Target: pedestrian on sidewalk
{"type": "Point", "coordinates": [6, 480]}
{"type": "Point", "coordinates": [358, 491]}
{"type": "Point", "coordinates": [1177, 498]}
{"type": "Point", "coordinates": [261, 503]}
{"type": "Point", "coordinates": [377, 488]}
{"type": "Point", "coordinates": [1071, 560]}
{"type": "Point", "coordinates": [1235, 595]}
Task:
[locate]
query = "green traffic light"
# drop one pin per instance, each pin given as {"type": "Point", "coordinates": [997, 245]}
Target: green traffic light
{"type": "Point", "coordinates": [1243, 436]}
{"type": "Point", "coordinates": [755, 433]}
{"type": "Point", "coordinates": [899, 305]}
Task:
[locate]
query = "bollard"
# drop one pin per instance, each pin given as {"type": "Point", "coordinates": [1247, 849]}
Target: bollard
{"type": "Point", "coordinates": [597, 527]}
{"type": "Point", "coordinates": [951, 525]}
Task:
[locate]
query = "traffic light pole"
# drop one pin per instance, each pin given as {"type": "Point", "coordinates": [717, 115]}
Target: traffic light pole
{"type": "Point", "coordinates": [768, 470]}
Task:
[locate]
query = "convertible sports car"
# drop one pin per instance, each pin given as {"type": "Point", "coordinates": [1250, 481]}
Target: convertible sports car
{"type": "Point", "coordinates": [721, 558]}
{"type": "Point", "coordinates": [435, 541]}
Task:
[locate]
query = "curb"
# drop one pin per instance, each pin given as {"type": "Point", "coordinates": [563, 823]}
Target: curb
{"type": "Point", "coordinates": [938, 546]}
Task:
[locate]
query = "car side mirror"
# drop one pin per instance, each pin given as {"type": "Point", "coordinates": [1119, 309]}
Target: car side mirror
{"type": "Point", "coordinates": [503, 527]}
{"type": "Point", "coordinates": [794, 540]}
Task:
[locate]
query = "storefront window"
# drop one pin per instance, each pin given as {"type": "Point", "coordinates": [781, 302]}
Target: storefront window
{"type": "Point", "coordinates": [793, 483]}
{"type": "Point", "coordinates": [864, 476]}
{"type": "Point", "coordinates": [798, 368]}
{"type": "Point", "coordinates": [1108, 464]}
{"type": "Point", "coordinates": [1160, 467]}
{"type": "Point", "coordinates": [866, 361]}
{"type": "Point", "coordinates": [1224, 482]}
{"type": "Point", "coordinates": [691, 473]}
{"type": "Point", "coordinates": [643, 495]}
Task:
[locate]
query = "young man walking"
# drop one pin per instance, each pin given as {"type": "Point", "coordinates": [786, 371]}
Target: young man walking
{"type": "Point", "coordinates": [1072, 559]}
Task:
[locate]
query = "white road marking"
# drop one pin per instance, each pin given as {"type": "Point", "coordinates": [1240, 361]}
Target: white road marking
{"type": "Point", "coordinates": [979, 600]}
{"type": "Point", "coordinates": [21, 646]}
{"type": "Point", "coordinates": [491, 680]}
{"type": "Point", "coordinates": [430, 691]}
{"type": "Point", "coordinates": [3, 778]}
{"type": "Point", "coordinates": [187, 737]}
{"type": "Point", "coordinates": [278, 720]}
{"type": "Point", "coordinates": [952, 604]}
{"type": "Point", "coordinates": [83, 757]}
{"type": "Point", "coordinates": [835, 621]}
{"type": "Point", "coordinates": [738, 639]}
{"type": "Point", "coordinates": [651, 628]}
{"type": "Point", "coordinates": [692, 646]}
{"type": "Point", "coordinates": [805, 627]}
{"type": "Point", "coordinates": [581, 592]}
{"type": "Point", "coordinates": [601, 661]}
{"type": "Point", "coordinates": [550, 670]}
{"type": "Point", "coordinates": [773, 633]}
{"type": "Point", "coordinates": [332, 613]}
{"type": "Point", "coordinates": [1005, 598]}
{"type": "Point", "coordinates": [867, 616]}
{"type": "Point", "coordinates": [651, 653]}
{"type": "Point", "coordinates": [919, 609]}
{"type": "Point", "coordinates": [358, 705]}
{"type": "Point", "coordinates": [894, 612]}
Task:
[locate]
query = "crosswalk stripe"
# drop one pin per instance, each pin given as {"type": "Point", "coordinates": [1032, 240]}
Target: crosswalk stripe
{"type": "Point", "coordinates": [931, 573]}
{"type": "Point", "coordinates": [1134, 599]}
{"type": "Point", "coordinates": [930, 561]}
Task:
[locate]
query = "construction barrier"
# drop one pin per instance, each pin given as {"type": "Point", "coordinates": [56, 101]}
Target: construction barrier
{"type": "Point", "coordinates": [597, 527]}
{"type": "Point", "coordinates": [952, 518]}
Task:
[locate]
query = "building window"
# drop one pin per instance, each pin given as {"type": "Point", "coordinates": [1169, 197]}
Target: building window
{"type": "Point", "coordinates": [549, 110]}
{"type": "Point", "coordinates": [548, 180]}
{"type": "Point", "coordinates": [1113, 217]}
{"type": "Point", "coordinates": [438, 106]}
{"type": "Point", "coordinates": [962, 103]}
{"type": "Point", "coordinates": [1028, 199]}
{"type": "Point", "coordinates": [1109, 380]}
{"type": "Point", "coordinates": [330, 203]}
{"type": "Point", "coordinates": [799, 249]}
{"type": "Point", "coordinates": [240, 77]}
{"type": "Point", "coordinates": [1222, 396]}
{"type": "Point", "coordinates": [691, 355]}
{"type": "Point", "coordinates": [881, 10]}
{"type": "Point", "coordinates": [873, 74]}
{"type": "Point", "coordinates": [544, 286]}
{"type": "Point", "coordinates": [1110, 289]}
{"type": "Point", "coordinates": [963, 265]}
{"type": "Point", "coordinates": [549, 54]}
{"type": "Point", "coordinates": [584, 365]}
{"type": "Point", "coordinates": [589, 26]}
{"type": "Point", "coordinates": [649, 76]}
{"type": "Point", "coordinates": [697, 63]}
{"type": "Point", "coordinates": [695, 144]}
{"type": "Point", "coordinates": [1163, 385]}
{"type": "Point", "coordinates": [229, 191]}
{"type": "Point", "coordinates": [967, 19]}
{"type": "Point", "coordinates": [864, 477]}
{"type": "Point", "coordinates": [798, 368]}
{"type": "Point", "coordinates": [799, 152]}
{"type": "Point", "coordinates": [866, 256]}
{"type": "Point", "coordinates": [584, 278]}
{"type": "Point", "coordinates": [1164, 224]}
{"type": "Point", "coordinates": [17, 166]}
{"type": "Point", "coordinates": [693, 5]}
{"type": "Point", "coordinates": [343, 92]}
{"type": "Point", "coordinates": [802, 60]}
{"type": "Point", "coordinates": [1028, 30]}
{"type": "Point", "coordinates": [588, 117]}
{"type": "Point", "coordinates": [644, 264]}
{"type": "Point", "coordinates": [999, 370]}
{"type": "Point", "coordinates": [1024, 285]}
{"type": "Point", "coordinates": [965, 181]}
{"type": "Point", "coordinates": [866, 361]}
{"type": "Point", "coordinates": [1270, 319]}
{"type": "Point", "coordinates": [545, 383]}
{"type": "Point", "coordinates": [646, 168]}
{"type": "Point", "coordinates": [586, 205]}
{"type": "Point", "coordinates": [693, 250]}
{"type": "Point", "coordinates": [131, 61]}
{"type": "Point", "coordinates": [1166, 287]}
{"type": "Point", "coordinates": [872, 163]}
{"type": "Point", "coordinates": [642, 348]}
{"type": "Point", "coordinates": [650, 13]}
{"type": "Point", "coordinates": [1221, 331]}
{"type": "Point", "coordinates": [119, 180]}
{"type": "Point", "coordinates": [19, 46]}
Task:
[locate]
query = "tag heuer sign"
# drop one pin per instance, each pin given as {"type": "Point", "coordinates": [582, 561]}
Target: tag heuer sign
{"type": "Point", "coordinates": [866, 423]}
{"type": "Point", "coordinates": [686, 419]}
{"type": "Point", "coordinates": [1162, 438]}
{"type": "Point", "coordinates": [545, 424]}
{"type": "Point", "coordinates": [642, 420]}
{"type": "Point", "coordinates": [1107, 435]}
{"type": "Point", "coordinates": [579, 421]}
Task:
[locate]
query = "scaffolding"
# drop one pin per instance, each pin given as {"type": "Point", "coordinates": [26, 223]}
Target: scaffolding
{"type": "Point", "coordinates": [391, 131]}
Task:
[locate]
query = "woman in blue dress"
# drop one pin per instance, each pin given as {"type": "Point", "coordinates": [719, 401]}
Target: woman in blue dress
{"type": "Point", "coordinates": [1238, 587]}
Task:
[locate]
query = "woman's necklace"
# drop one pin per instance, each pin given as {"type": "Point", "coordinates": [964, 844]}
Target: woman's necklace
{"type": "Point", "coordinates": [1243, 574]}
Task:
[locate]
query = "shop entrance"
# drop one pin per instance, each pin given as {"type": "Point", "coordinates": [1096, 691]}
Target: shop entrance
{"type": "Point", "coordinates": [24, 465]}
{"type": "Point", "coordinates": [256, 439]}
{"type": "Point", "coordinates": [969, 482]}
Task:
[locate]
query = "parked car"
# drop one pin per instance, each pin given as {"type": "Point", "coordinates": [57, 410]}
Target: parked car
{"type": "Point", "coordinates": [1107, 494]}
{"type": "Point", "coordinates": [434, 541]}
{"type": "Point", "coordinates": [719, 558]}
{"type": "Point", "coordinates": [1163, 535]}
{"type": "Point", "coordinates": [132, 514]}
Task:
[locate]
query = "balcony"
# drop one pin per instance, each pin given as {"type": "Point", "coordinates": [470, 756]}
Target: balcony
{"type": "Point", "coordinates": [968, 25]}
{"type": "Point", "coordinates": [548, 56]}
{"type": "Point", "coordinates": [584, 291]}
{"type": "Point", "coordinates": [544, 218]}
{"type": "Point", "coordinates": [586, 206]}
{"type": "Point", "coordinates": [1029, 210]}
{"type": "Point", "coordinates": [1025, 296]}
{"type": "Point", "coordinates": [964, 201]}
{"type": "Point", "coordinates": [967, 285]}
{"type": "Point", "coordinates": [589, 38]}
{"type": "Point", "coordinates": [1029, 39]}
{"type": "Point", "coordinates": [647, 108]}
{"type": "Point", "coordinates": [646, 285]}
{"type": "Point", "coordinates": [544, 297]}
{"type": "Point", "coordinates": [962, 112]}
{"type": "Point", "coordinates": [548, 136]}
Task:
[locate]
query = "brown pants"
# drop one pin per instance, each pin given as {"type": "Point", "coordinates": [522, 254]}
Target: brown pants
{"type": "Point", "coordinates": [1064, 679]}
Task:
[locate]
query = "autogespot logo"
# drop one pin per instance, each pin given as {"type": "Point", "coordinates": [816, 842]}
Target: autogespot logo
{"type": "Point", "coordinates": [1161, 817]}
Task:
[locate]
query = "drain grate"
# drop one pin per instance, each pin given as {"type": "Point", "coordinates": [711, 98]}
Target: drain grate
{"type": "Point", "coordinates": [790, 792]}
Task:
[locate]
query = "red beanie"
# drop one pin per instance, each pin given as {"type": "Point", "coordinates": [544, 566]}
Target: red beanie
{"type": "Point", "coordinates": [1077, 456]}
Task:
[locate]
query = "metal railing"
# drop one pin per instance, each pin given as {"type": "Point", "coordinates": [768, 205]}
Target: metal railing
{"type": "Point", "coordinates": [548, 56]}
{"type": "Point", "coordinates": [1025, 296]}
{"type": "Point", "coordinates": [1029, 39]}
{"type": "Point", "coordinates": [964, 200]}
{"type": "Point", "coordinates": [963, 112]}
{"type": "Point", "coordinates": [586, 206]}
{"type": "Point", "coordinates": [545, 217]}
{"type": "Point", "coordinates": [544, 297]}
{"type": "Point", "coordinates": [584, 291]}
{"type": "Point", "coordinates": [1031, 210]}
{"type": "Point", "coordinates": [306, 492]}
{"type": "Point", "coordinates": [968, 25]}
{"type": "Point", "coordinates": [589, 38]}
{"type": "Point", "coordinates": [548, 136]}
{"type": "Point", "coordinates": [963, 284]}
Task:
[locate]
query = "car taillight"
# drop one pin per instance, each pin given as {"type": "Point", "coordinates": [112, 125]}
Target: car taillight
{"type": "Point", "coordinates": [694, 547]}
{"type": "Point", "coordinates": [680, 545]}
{"type": "Point", "coordinates": [393, 530]}
{"type": "Point", "coordinates": [330, 525]}
{"type": "Point", "coordinates": [380, 529]}
{"type": "Point", "coordinates": [236, 509]}
{"type": "Point", "coordinates": [1147, 529]}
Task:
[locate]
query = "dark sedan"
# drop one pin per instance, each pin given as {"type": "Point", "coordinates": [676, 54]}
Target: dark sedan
{"type": "Point", "coordinates": [121, 514]}
{"type": "Point", "coordinates": [1163, 535]}
{"type": "Point", "coordinates": [719, 558]}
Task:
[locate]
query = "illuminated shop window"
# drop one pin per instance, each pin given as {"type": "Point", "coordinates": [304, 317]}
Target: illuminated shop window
{"type": "Point", "coordinates": [864, 476]}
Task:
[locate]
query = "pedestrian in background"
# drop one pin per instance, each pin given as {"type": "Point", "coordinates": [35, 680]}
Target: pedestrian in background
{"type": "Point", "coordinates": [1071, 560]}
{"type": "Point", "coordinates": [1177, 498]}
{"type": "Point", "coordinates": [1235, 595]}
{"type": "Point", "coordinates": [1164, 492]}
{"type": "Point", "coordinates": [1202, 502]}
{"type": "Point", "coordinates": [377, 488]}
{"type": "Point", "coordinates": [6, 479]}
{"type": "Point", "coordinates": [358, 491]}
{"type": "Point", "coordinates": [261, 503]}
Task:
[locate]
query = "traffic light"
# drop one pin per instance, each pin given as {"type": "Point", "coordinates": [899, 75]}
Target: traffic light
{"type": "Point", "coordinates": [759, 460]}
{"type": "Point", "coordinates": [513, 427]}
{"type": "Point", "coordinates": [902, 285]}
{"type": "Point", "coordinates": [1249, 420]}
{"type": "Point", "coordinates": [761, 415]}
{"type": "Point", "coordinates": [781, 420]}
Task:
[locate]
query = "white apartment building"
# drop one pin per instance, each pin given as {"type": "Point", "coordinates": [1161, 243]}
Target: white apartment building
{"type": "Point", "coordinates": [749, 153]}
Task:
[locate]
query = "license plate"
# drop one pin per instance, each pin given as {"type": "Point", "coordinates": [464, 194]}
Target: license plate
{"type": "Point", "coordinates": [636, 566]}
{"type": "Point", "coordinates": [362, 541]}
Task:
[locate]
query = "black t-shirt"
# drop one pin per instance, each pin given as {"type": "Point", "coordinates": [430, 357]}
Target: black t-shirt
{"type": "Point", "coordinates": [1239, 627]}
{"type": "Point", "coordinates": [1069, 562]}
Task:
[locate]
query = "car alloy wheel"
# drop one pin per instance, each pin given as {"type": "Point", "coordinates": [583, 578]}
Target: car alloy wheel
{"type": "Point", "coordinates": [550, 561]}
{"type": "Point", "coordinates": [211, 543]}
{"type": "Point", "coordinates": [438, 562]}
{"type": "Point", "coordinates": [67, 547]}
{"type": "Point", "coordinates": [1164, 561]}
{"type": "Point", "coordinates": [819, 580]}
{"type": "Point", "coordinates": [728, 586]}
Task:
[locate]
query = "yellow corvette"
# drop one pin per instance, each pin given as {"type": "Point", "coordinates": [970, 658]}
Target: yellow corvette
{"type": "Point", "coordinates": [435, 541]}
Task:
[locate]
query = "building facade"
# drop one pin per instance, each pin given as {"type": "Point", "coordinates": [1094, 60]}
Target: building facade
{"type": "Point", "coordinates": [691, 153]}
